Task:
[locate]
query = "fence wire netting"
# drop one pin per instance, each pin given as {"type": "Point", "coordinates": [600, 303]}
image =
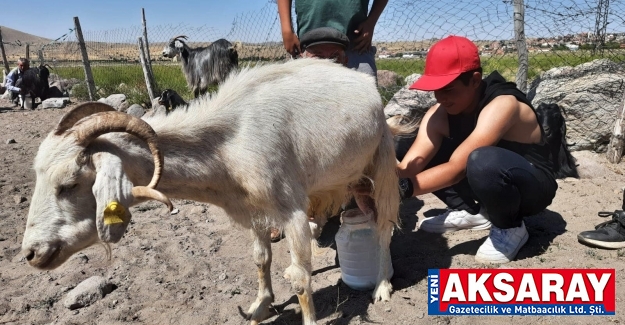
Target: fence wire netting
{"type": "Point", "coordinates": [557, 34]}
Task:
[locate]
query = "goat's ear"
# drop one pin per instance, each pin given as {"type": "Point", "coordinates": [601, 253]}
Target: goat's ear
{"type": "Point", "coordinates": [113, 194]}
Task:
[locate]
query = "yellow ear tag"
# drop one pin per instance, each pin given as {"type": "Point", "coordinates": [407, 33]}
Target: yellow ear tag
{"type": "Point", "coordinates": [114, 213]}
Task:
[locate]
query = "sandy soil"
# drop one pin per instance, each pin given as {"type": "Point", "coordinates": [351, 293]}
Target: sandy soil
{"type": "Point", "coordinates": [195, 268]}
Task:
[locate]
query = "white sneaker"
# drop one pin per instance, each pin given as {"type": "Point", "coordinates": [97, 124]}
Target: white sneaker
{"type": "Point", "coordinates": [502, 245]}
{"type": "Point", "coordinates": [452, 220]}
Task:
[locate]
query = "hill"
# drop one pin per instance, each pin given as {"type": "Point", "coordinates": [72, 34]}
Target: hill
{"type": "Point", "coordinates": [15, 43]}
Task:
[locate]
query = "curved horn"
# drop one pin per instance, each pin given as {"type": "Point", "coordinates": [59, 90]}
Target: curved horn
{"type": "Point", "coordinates": [93, 126]}
{"type": "Point", "coordinates": [80, 111]}
{"type": "Point", "coordinates": [143, 192]}
{"type": "Point", "coordinates": [179, 37]}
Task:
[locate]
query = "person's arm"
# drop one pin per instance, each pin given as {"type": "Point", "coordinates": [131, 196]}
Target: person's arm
{"type": "Point", "coordinates": [429, 138]}
{"type": "Point", "coordinates": [289, 38]}
{"type": "Point", "coordinates": [8, 84]}
{"type": "Point", "coordinates": [365, 29]}
{"type": "Point", "coordinates": [494, 121]}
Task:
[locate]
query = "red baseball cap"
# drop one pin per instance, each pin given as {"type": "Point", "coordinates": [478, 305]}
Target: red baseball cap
{"type": "Point", "coordinates": [446, 60]}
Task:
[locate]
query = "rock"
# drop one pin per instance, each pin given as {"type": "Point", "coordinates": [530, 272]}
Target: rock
{"type": "Point", "coordinates": [136, 110]}
{"type": "Point", "coordinates": [197, 210]}
{"type": "Point", "coordinates": [118, 102]}
{"type": "Point", "coordinates": [55, 102]}
{"type": "Point", "coordinates": [408, 81]}
{"type": "Point", "coordinates": [18, 199]}
{"type": "Point", "coordinates": [88, 292]}
{"type": "Point", "coordinates": [589, 94]}
{"type": "Point", "coordinates": [9, 141]}
{"type": "Point", "coordinates": [60, 84]}
{"type": "Point", "coordinates": [407, 102]}
{"type": "Point", "coordinates": [156, 108]}
{"type": "Point", "coordinates": [388, 79]}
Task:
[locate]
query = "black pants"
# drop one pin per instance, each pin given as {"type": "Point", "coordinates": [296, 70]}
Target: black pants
{"type": "Point", "coordinates": [503, 183]}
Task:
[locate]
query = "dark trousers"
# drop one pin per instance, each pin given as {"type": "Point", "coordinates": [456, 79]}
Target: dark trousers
{"type": "Point", "coordinates": [505, 185]}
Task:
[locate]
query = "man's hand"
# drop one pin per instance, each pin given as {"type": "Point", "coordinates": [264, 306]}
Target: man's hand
{"type": "Point", "coordinates": [406, 189]}
{"type": "Point", "coordinates": [364, 33]}
{"type": "Point", "coordinates": [291, 44]}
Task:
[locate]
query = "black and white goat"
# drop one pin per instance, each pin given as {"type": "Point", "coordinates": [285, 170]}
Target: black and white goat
{"type": "Point", "coordinates": [203, 66]}
{"type": "Point", "coordinates": [170, 99]}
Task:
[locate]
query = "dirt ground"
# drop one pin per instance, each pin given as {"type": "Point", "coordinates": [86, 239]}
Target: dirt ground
{"type": "Point", "coordinates": [195, 268]}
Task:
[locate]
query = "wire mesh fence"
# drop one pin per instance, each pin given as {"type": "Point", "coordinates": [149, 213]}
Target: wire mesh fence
{"type": "Point", "coordinates": [557, 34]}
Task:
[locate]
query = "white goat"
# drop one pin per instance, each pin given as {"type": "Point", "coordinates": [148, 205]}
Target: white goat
{"type": "Point", "coordinates": [275, 144]}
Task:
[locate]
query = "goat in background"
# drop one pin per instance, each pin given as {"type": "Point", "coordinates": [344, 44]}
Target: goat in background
{"type": "Point", "coordinates": [248, 149]}
{"type": "Point", "coordinates": [203, 66]}
{"type": "Point", "coordinates": [35, 82]}
{"type": "Point", "coordinates": [171, 99]}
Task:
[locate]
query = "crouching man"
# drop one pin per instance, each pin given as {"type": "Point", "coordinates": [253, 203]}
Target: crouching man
{"type": "Point", "coordinates": [480, 150]}
{"type": "Point", "coordinates": [13, 80]}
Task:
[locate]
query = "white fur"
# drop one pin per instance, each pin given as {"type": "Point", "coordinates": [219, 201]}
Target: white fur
{"type": "Point", "coordinates": [276, 144]}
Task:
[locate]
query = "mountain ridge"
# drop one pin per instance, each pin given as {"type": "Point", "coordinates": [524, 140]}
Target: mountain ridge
{"type": "Point", "coordinates": [15, 43]}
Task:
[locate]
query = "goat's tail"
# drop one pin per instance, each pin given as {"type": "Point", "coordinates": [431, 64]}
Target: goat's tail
{"type": "Point", "coordinates": [386, 197]}
{"type": "Point", "coordinates": [401, 126]}
{"type": "Point", "coordinates": [386, 189]}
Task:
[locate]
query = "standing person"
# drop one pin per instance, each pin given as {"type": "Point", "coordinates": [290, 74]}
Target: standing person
{"type": "Point", "coordinates": [13, 79]}
{"type": "Point", "coordinates": [325, 43]}
{"type": "Point", "coordinates": [351, 17]}
{"type": "Point", "coordinates": [480, 150]}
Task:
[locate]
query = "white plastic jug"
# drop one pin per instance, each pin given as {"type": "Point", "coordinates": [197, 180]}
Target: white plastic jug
{"type": "Point", "coordinates": [26, 101]}
{"type": "Point", "coordinates": [358, 250]}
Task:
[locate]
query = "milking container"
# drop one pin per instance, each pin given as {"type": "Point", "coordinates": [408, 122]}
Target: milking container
{"type": "Point", "coordinates": [358, 250]}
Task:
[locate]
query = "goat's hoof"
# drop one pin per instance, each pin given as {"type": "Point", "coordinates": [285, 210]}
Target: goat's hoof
{"type": "Point", "coordinates": [258, 311]}
{"type": "Point", "coordinates": [382, 291]}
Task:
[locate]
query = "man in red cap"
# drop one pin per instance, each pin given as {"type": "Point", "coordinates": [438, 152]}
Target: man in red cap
{"type": "Point", "coordinates": [480, 149]}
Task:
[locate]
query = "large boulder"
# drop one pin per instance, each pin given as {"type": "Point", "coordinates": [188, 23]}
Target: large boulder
{"type": "Point", "coordinates": [55, 102]}
{"type": "Point", "coordinates": [136, 110]}
{"type": "Point", "coordinates": [590, 95]}
{"type": "Point", "coordinates": [117, 101]}
{"type": "Point", "coordinates": [410, 103]}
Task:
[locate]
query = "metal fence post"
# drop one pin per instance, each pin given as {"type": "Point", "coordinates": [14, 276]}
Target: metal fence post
{"type": "Point", "coordinates": [85, 60]}
{"type": "Point", "coordinates": [4, 55]}
{"type": "Point", "coordinates": [521, 45]}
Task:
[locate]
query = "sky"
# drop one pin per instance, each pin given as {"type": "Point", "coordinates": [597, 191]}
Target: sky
{"type": "Point", "coordinates": [256, 20]}
{"type": "Point", "coordinates": [55, 18]}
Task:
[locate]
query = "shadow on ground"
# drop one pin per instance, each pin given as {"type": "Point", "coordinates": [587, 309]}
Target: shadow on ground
{"type": "Point", "coordinates": [412, 254]}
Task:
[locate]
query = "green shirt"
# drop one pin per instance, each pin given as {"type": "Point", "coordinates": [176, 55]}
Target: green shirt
{"type": "Point", "coordinates": [344, 15]}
